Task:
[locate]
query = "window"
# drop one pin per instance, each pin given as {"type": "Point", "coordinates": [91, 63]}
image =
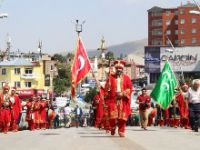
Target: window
{"type": "Point", "coordinates": [182, 41]}
{"type": "Point", "coordinates": [182, 12]}
{"type": "Point", "coordinates": [176, 12]}
{"type": "Point", "coordinates": [52, 67]}
{"type": "Point", "coordinates": [194, 20]}
{"type": "Point", "coordinates": [194, 30]}
{"type": "Point", "coordinates": [168, 43]}
{"type": "Point", "coordinates": [17, 84]}
{"type": "Point", "coordinates": [182, 21]}
{"type": "Point", "coordinates": [176, 42]}
{"type": "Point", "coordinates": [3, 71]}
{"type": "Point", "coordinates": [182, 31]}
{"type": "Point", "coordinates": [176, 22]}
{"type": "Point", "coordinates": [176, 32]}
{"type": "Point", "coordinates": [157, 42]}
{"type": "Point", "coordinates": [17, 71]}
{"type": "Point", "coordinates": [156, 23]}
{"type": "Point", "coordinates": [28, 84]}
{"type": "Point", "coordinates": [168, 12]}
{"type": "Point", "coordinates": [168, 22]}
{"type": "Point", "coordinates": [168, 32]}
{"type": "Point", "coordinates": [157, 13]}
{"type": "Point", "coordinates": [28, 71]}
{"type": "Point", "coordinates": [194, 40]}
{"type": "Point", "coordinates": [157, 32]}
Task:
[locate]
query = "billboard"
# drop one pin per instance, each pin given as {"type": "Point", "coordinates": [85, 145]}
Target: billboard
{"type": "Point", "coordinates": [152, 59]}
{"type": "Point", "coordinates": [185, 59]}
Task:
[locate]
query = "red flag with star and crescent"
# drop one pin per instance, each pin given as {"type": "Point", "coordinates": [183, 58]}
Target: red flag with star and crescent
{"type": "Point", "coordinates": [80, 67]}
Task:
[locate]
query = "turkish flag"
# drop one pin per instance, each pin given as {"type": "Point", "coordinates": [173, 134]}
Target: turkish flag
{"type": "Point", "coordinates": [81, 65]}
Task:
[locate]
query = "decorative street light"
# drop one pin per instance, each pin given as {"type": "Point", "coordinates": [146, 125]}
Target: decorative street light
{"type": "Point", "coordinates": [79, 27]}
{"type": "Point", "coordinates": [3, 15]}
{"type": "Point", "coordinates": [197, 12]}
{"type": "Point", "coordinates": [102, 49]}
{"type": "Point", "coordinates": [179, 65]}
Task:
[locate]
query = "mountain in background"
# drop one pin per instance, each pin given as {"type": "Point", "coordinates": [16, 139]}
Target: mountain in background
{"type": "Point", "coordinates": [136, 47]}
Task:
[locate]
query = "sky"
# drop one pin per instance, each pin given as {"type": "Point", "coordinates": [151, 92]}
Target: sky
{"type": "Point", "coordinates": [53, 22]}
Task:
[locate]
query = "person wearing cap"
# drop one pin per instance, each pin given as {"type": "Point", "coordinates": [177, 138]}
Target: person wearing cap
{"type": "Point", "coordinates": [118, 91]}
{"type": "Point", "coordinates": [144, 102]}
{"type": "Point", "coordinates": [16, 109]}
{"type": "Point", "coordinates": [193, 102]}
{"type": "Point", "coordinates": [5, 107]}
{"type": "Point", "coordinates": [184, 112]}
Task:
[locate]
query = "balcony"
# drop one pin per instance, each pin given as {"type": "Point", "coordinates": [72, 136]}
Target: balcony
{"type": "Point", "coordinates": [30, 76]}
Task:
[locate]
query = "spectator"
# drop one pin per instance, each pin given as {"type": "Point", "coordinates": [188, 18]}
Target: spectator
{"type": "Point", "coordinates": [78, 114]}
{"type": "Point", "coordinates": [67, 116]}
{"type": "Point", "coordinates": [144, 103]}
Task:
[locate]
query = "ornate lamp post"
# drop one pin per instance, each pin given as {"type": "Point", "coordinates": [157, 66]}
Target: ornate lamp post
{"type": "Point", "coordinates": [102, 49]}
{"type": "Point", "coordinates": [79, 27]}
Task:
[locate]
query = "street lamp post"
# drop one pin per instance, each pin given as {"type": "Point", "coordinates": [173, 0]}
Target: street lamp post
{"type": "Point", "coordinates": [79, 27]}
{"type": "Point", "coordinates": [179, 65]}
{"type": "Point", "coordinates": [3, 15]}
{"type": "Point", "coordinates": [102, 49]}
{"type": "Point", "coordinates": [197, 12]}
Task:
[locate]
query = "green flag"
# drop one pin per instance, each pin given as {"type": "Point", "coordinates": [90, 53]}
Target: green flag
{"type": "Point", "coordinates": [165, 87]}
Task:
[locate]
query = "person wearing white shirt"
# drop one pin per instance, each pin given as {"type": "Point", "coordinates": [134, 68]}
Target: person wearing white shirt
{"type": "Point", "coordinates": [67, 116]}
{"type": "Point", "coordinates": [193, 100]}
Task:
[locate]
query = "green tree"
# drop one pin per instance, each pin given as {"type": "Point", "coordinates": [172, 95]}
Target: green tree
{"type": "Point", "coordinates": [109, 55]}
{"type": "Point", "coordinates": [59, 58]}
{"type": "Point", "coordinates": [90, 95]}
{"type": "Point", "coordinates": [62, 82]}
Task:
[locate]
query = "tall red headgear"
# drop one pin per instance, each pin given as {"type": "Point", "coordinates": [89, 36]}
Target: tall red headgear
{"type": "Point", "coordinates": [119, 64]}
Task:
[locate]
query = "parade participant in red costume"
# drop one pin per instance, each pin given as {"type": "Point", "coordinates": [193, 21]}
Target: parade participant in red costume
{"type": "Point", "coordinates": [184, 112]}
{"type": "Point", "coordinates": [36, 112]}
{"type": "Point", "coordinates": [5, 106]}
{"type": "Point", "coordinates": [98, 102]}
{"type": "Point", "coordinates": [118, 91]}
{"type": "Point", "coordinates": [30, 113]}
{"type": "Point", "coordinates": [16, 109]}
{"type": "Point", "coordinates": [43, 113]}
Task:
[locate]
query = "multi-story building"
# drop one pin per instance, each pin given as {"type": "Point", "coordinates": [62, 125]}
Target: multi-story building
{"type": "Point", "coordinates": [174, 32]}
{"type": "Point", "coordinates": [177, 25]}
{"type": "Point", "coordinates": [29, 77]}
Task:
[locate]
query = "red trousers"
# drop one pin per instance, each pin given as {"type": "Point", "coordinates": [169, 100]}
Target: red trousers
{"type": "Point", "coordinates": [31, 125]}
{"type": "Point", "coordinates": [121, 125]}
{"type": "Point", "coordinates": [6, 118]}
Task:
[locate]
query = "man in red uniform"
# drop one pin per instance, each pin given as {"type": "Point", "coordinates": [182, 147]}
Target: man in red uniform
{"type": "Point", "coordinates": [184, 112]}
{"type": "Point", "coordinates": [36, 112]}
{"type": "Point", "coordinates": [16, 109]}
{"type": "Point", "coordinates": [5, 105]}
{"type": "Point", "coordinates": [43, 113]}
{"type": "Point", "coordinates": [144, 101]}
{"type": "Point", "coordinates": [30, 114]}
{"type": "Point", "coordinates": [118, 91]}
{"type": "Point", "coordinates": [98, 101]}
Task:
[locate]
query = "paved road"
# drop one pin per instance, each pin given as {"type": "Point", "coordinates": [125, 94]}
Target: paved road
{"type": "Point", "coordinates": [93, 139]}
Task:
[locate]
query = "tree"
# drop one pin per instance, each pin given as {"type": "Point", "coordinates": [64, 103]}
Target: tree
{"type": "Point", "coordinates": [59, 58]}
{"type": "Point", "coordinates": [63, 81]}
{"type": "Point", "coordinates": [109, 55]}
{"type": "Point", "coordinates": [90, 95]}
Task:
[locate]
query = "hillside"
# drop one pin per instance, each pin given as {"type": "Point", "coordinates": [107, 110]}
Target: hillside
{"type": "Point", "coordinates": [136, 47]}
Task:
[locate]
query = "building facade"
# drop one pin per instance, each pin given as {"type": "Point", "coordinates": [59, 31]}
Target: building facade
{"type": "Point", "coordinates": [174, 32]}
{"type": "Point", "coordinates": [177, 25]}
{"type": "Point", "coordinates": [29, 77]}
